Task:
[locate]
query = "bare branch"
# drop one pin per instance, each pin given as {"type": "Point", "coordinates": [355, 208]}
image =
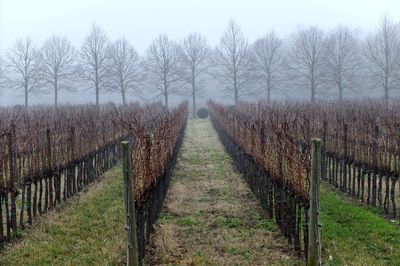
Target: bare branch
{"type": "Point", "coordinates": [232, 59]}
{"type": "Point", "coordinates": [195, 60]}
{"type": "Point", "coordinates": [383, 53]}
{"type": "Point", "coordinates": [268, 60]}
{"type": "Point", "coordinates": [162, 66]}
{"type": "Point", "coordinates": [342, 60]}
{"type": "Point", "coordinates": [23, 67]}
{"type": "Point", "coordinates": [95, 53]}
{"type": "Point", "coordinates": [307, 59]}
{"type": "Point", "coordinates": [124, 68]}
{"type": "Point", "coordinates": [57, 64]}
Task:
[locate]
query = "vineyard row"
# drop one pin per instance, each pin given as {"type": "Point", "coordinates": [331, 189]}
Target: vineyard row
{"type": "Point", "coordinates": [149, 163]}
{"type": "Point", "coordinates": [276, 176]}
{"type": "Point", "coordinates": [48, 155]}
{"type": "Point", "coordinates": [272, 146]}
{"type": "Point", "coordinates": [361, 141]}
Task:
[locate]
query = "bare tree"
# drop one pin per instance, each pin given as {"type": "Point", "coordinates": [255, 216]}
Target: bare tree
{"type": "Point", "coordinates": [1, 67]}
{"type": "Point", "coordinates": [195, 55]}
{"type": "Point", "coordinates": [342, 60]}
{"type": "Point", "coordinates": [383, 53]}
{"type": "Point", "coordinates": [307, 59]}
{"type": "Point", "coordinates": [57, 64]}
{"type": "Point", "coordinates": [268, 61]}
{"type": "Point", "coordinates": [124, 67]}
{"type": "Point", "coordinates": [94, 59]}
{"type": "Point", "coordinates": [232, 58]}
{"type": "Point", "coordinates": [162, 66]}
{"type": "Point", "coordinates": [23, 67]}
{"type": "Point", "coordinates": [2, 74]}
{"type": "Point", "coordinates": [1, 71]}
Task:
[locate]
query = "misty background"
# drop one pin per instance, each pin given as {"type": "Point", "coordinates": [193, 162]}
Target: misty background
{"type": "Point", "coordinates": [140, 22]}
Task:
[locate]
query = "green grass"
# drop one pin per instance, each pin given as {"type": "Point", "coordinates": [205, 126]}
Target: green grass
{"type": "Point", "coordinates": [186, 221]}
{"type": "Point", "coordinates": [194, 159]}
{"type": "Point", "coordinates": [165, 218]}
{"type": "Point", "coordinates": [87, 232]}
{"type": "Point", "coordinates": [356, 235]}
{"type": "Point", "coordinates": [217, 156]}
{"type": "Point", "coordinates": [202, 258]}
{"type": "Point", "coordinates": [238, 252]}
{"type": "Point", "coordinates": [267, 224]}
{"type": "Point", "coordinates": [230, 222]}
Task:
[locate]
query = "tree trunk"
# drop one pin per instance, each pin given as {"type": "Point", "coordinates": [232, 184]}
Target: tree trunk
{"type": "Point", "coordinates": [386, 95]}
{"type": "Point", "coordinates": [312, 84]}
{"type": "Point", "coordinates": [194, 105]}
{"type": "Point", "coordinates": [55, 92]}
{"type": "Point", "coordinates": [235, 87]}
{"type": "Point", "coordinates": [236, 97]}
{"type": "Point", "coordinates": [165, 92]}
{"type": "Point", "coordinates": [340, 85]}
{"type": "Point", "coordinates": [123, 97]}
{"type": "Point", "coordinates": [55, 98]}
{"type": "Point", "coordinates": [194, 97]}
{"type": "Point", "coordinates": [97, 97]}
{"type": "Point", "coordinates": [26, 97]}
{"type": "Point", "coordinates": [386, 85]}
{"type": "Point", "coordinates": [312, 94]}
{"type": "Point", "coordinates": [268, 91]}
{"type": "Point", "coordinates": [97, 84]}
{"type": "Point", "coordinates": [166, 99]}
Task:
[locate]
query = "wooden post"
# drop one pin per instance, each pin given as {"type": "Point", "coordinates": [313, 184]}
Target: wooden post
{"type": "Point", "coordinates": [12, 175]}
{"type": "Point", "coordinates": [49, 165]}
{"type": "Point", "coordinates": [314, 243]}
{"type": "Point", "coordinates": [72, 169]}
{"type": "Point", "coordinates": [132, 258]}
{"type": "Point", "coordinates": [323, 152]}
{"type": "Point", "coordinates": [344, 158]}
{"type": "Point", "coordinates": [374, 163]}
{"type": "Point", "coordinates": [397, 172]}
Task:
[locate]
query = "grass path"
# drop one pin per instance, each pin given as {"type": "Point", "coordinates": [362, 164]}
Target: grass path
{"type": "Point", "coordinates": [89, 230]}
{"type": "Point", "coordinates": [210, 215]}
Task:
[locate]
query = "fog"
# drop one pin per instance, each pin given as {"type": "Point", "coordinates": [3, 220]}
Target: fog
{"type": "Point", "coordinates": [140, 22]}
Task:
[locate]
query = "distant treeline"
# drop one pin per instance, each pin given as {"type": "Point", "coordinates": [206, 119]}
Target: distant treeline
{"type": "Point", "coordinates": [337, 64]}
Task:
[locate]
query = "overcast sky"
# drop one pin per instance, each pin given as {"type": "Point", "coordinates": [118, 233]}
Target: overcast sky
{"type": "Point", "coordinates": [141, 21]}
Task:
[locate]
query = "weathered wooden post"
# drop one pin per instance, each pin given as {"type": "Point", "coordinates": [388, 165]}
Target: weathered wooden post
{"type": "Point", "coordinates": [375, 163]}
{"type": "Point", "coordinates": [344, 187]}
{"type": "Point", "coordinates": [49, 164]}
{"type": "Point", "coordinates": [324, 168]}
{"type": "Point", "coordinates": [132, 258]}
{"type": "Point", "coordinates": [314, 243]}
{"type": "Point", "coordinates": [13, 177]}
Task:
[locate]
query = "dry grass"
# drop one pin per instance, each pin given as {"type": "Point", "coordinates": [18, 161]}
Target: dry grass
{"type": "Point", "coordinates": [210, 215]}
